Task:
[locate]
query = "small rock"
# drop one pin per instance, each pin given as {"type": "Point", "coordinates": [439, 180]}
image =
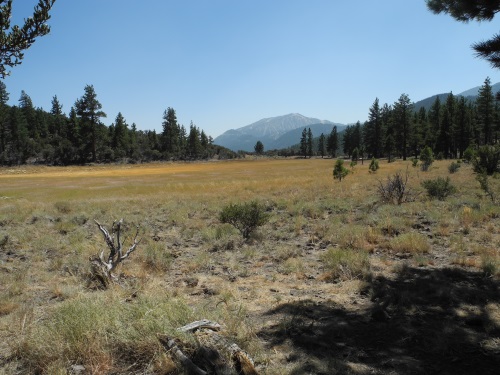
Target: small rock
{"type": "Point", "coordinates": [77, 370]}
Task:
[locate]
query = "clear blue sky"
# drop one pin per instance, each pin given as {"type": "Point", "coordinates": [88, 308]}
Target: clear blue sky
{"type": "Point", "coordinates": [227, 63]}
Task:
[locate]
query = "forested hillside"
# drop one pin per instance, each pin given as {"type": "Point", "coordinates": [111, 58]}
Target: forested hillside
{"type": "Point", "coordinates": [32, 135]}
{"type": "Point", "coordinates": [449, 127]}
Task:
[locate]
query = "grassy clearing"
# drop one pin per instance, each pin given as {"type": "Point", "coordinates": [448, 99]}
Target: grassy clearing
{"type": "Point", "coordinates": [324, 241]}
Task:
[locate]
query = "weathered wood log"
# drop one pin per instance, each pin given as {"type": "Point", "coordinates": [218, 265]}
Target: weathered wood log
{"type": "Point", "coordinates": [172, 347]}
{"type": "Point", "coordinates": [215, 353]}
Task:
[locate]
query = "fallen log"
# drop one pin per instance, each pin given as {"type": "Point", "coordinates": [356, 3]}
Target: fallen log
{"type": "Point", "coordinates": [215, 354]}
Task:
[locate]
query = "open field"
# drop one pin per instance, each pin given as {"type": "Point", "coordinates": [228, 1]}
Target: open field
{"type": "Point", "coordinates": [336, 282]}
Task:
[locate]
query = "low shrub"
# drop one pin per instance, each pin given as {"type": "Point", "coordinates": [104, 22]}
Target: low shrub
{"type": "Point", "coordinates": [487, 160]}
{"type": "Point", "coordinates": [427, 158]}
{"type": "Point", "coordinates": [339, 171]}
{"type": "Point", "coordinates": [453, 167]}
{"type": "Point", "coordinates": [245, 217]}
{"type": "Point", "coordinates": [439, 188]}
{"type": "Point", "coordinates": [373, 167]}
{"type": "Point", "coordinates": [395, 189]}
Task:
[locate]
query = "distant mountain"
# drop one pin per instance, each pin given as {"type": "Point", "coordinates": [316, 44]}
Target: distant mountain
{"type": "Point", "coordinates": [274, 132]}
{"type": "Point", "coordinates": [475, 91]}
{"type": "Point", "coordinates": [470, 94]}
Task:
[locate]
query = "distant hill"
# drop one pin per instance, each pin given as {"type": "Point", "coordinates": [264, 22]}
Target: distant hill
{"type": "Point", "coordinates": [274, 132]}
{"type": "Point", "coordinates": [470, 94]}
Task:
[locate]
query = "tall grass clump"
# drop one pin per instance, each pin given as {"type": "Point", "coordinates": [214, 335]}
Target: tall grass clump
{"type": "Point", "coordinates": [411, 242]}
{"type": "Point", "coordinates": [102, 333]}
{"type": "Point", "coordinates": [346, 264]}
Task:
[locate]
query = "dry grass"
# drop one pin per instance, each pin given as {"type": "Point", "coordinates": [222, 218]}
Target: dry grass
{"type": "Point", "coordinates": [190, 266]}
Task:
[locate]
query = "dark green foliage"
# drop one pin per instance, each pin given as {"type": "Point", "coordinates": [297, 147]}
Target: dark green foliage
{"type": "Point", "coordinates": [468, 10]}
{"type": "Point", "coordinates": [309, 142]}
{"type": "Point", "coordinates": [15, 39]}
{"type": "Point", "coordinates": [373, 131]}
{"type": "Point", "coordinates": [245, 217]}
{"type": "Point", "coordinates": [470, 153]}
{"type": "Point", "coordinates": [339, 171]}
{"type": "Point", "coordinates": [453, 167]}
{"type": "Point", "coordinates": [322, 145]}
{"type": "Point", "coordinates": [427, 158]}
{"type": "Point", "coordinates": [483, 180]}
{"type": "Point", "coordinates": [439, 188]}
{"type": "Point", "coordinates": [402, 113]}
{"type": "Point", "coordinates": [487, 160]}
{"type": "Point", "coordinates": [373, 167]}
{"type": "Point", "coordinates": [303, 143]}
{"type": "Point", "coordinates": [355, 155]}
{"type": "Point", "coordinates": [332, 143]}
{"type": "Point", "coordinates": [89, 109]}
{"type": "Point", "coordinates": [259, 148]}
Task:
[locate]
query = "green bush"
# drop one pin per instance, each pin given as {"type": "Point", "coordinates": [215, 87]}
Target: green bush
{"type": "Point", "coordinates": [373, 165]}
{"type": "Point", "coordinates": [453, 167]}
{"type": "Point", "coordinates": [469, 154]}
{"type": "Point", "coordinates": [339, 171]}
{"type": "Point", "coordinates": [487, 160]}
{"type": "Point", "coordinates": [439, 188]}
{"type": "Point", "coordinates": [245, 217]}
{"type": "Point", "coordinates": [427, 158]}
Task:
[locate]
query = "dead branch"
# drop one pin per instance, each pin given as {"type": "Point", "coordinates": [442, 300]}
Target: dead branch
{"type": "Point", "coordinates": [172, 347]}
{"type": "Point", "coordinates": [215, 352]}
{"type": "Point", "coordinates": [102, 268]}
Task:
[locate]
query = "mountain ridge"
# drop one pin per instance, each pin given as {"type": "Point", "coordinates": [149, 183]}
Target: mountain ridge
{"type": "Point", "coordinates": [285, 130]}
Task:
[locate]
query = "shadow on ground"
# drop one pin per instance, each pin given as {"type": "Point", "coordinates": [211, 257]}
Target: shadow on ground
{"type": "Point", "coordinates": [424, 321]}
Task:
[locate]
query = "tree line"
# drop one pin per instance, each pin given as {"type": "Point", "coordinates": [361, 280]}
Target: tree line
{"type": "Point", "coordinates": [397, 130]}
{"type": "Point", "coordinates": [32, 135]}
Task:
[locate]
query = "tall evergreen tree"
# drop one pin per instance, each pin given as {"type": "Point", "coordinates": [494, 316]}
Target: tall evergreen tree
{"type": "Point", "coordinates": [120, 138]}
{"type": "Point", "coordinates": [170, 135]}
{"type": "Point", "coordinates": [373, 131]}
{"type": "Point", "coordinates": [303, 143]}
{"type": "Point", "coordinates": [463, 133]}
{"type": "Point", "coordinates": [402, 114]}
{"type": "Point", "coordinates": [332, 143]}
{"type": "Point", "coordinates": [322, 145]}
{"type": "Point", "coordinates": [485, 111]}
{"type": "Point", "coordinates": [89, 109]}
{"type": "Point", "coordinates": [194, 143]}
{"type": "Point", "coordinates": [309, 143]}
{"type": "Point", "coordinates": [4, 112]}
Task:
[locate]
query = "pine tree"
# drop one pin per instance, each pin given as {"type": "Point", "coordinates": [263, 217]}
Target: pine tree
{"type": "Point", "coordinates": [332, 143]}
{"type": "Point", "coordinates": [373, 131]}
{"type": "Point", "coordinates": [322, 145]}
{"type": "Point", "coordinates": [402, 112]}
{"type": "Point", "coordinates": [17, 39]}
{"type": "Point", "coordinates": [4, 112]}
{"type": "Point", "coordinates": [170, 135]}
{"type": "Point", "coordinates": [120, 137]}
{"type": "Point", "coordinates": [486, 107]}
{"type": "Point", "coordinates": [309, 143]}
{"type": "Point", "coordinates": [259, 148]}
{"type": "Point", "coordinates": [194, 143]}
{"type": "Point", "coordinates": [468, 10]}
{"type": "Point", "coordinates": [88, 108]}
{"type": "Point", "coordinates": [303, 143]}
